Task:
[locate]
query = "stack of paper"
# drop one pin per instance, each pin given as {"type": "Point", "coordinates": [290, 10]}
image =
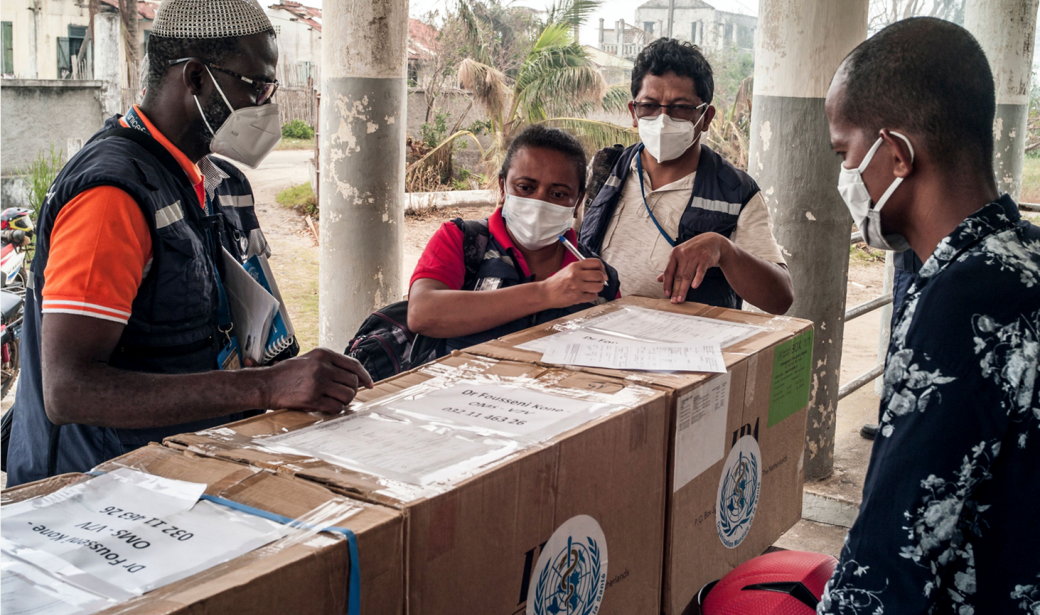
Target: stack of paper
{"type": "Point", "coordinates": [642, 339]}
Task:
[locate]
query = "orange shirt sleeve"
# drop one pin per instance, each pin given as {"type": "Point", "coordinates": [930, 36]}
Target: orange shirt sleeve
{"type": "Point", "coordinates": [100, 249]}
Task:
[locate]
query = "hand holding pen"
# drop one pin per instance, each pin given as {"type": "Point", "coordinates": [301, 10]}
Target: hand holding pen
{"type": "Point", "coordinates": [573, 250]}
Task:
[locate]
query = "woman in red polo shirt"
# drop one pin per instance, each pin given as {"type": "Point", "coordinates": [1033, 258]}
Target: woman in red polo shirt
{"type": "Point", "coordinates": [526, 276]}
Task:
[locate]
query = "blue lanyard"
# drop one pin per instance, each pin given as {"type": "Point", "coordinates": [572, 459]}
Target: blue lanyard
{"type": "Point", "coordinates": [642, 191]}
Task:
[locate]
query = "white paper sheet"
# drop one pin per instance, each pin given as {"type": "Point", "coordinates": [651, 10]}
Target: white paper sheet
{"type": "Point", "coordinates": [27, 590]}
{"type": "Point", "coordinates": [252, 308]}
{"type": "Point", "coordinates": [657, 326]}
{"type": "Point", "coordinates": [126, 533]}
{"type": "Point", "coordinates": [590, 349]}
{"type": "Point", "coordinates": [508, 410]}
{"type": "Point", "coordinates": [700, 430]}
{"type": "Point", "coordinates": [396, 448]}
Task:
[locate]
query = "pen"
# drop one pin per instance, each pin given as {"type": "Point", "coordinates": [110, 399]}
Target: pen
{"type": "Point", "coordinates": [570, 248]}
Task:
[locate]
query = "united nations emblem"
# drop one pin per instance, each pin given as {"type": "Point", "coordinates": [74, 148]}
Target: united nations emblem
{"type": "Point", "coordinates": [571, 574]}
{"type": "Point", "coordinates": [739, 490]}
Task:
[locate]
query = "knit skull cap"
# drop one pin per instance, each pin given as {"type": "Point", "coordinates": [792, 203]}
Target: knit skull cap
{"type": "Point", "coordinates": [209, 19]}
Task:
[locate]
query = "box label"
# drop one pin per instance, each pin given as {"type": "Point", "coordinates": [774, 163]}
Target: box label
{"type": "Point", "coordinates": [571, 574]}
{"type": "Point", "coordinates": [700, 429]}
{"type": "Point", "coordinates": [739, 488]}
{"type": "Point", "coordinates": [792, 366]}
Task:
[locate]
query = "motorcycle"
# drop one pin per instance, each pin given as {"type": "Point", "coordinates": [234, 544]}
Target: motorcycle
{"type": "Point", "coordinates": [16, 230]}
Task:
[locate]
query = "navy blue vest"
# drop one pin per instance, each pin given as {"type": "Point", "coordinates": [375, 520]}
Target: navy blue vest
{"type": "Point", "coordinates": [500, 269]}
{"type": "Point", "coordinates": [720, 193]}
{"type": "Point", "coordinates": [172, 327]}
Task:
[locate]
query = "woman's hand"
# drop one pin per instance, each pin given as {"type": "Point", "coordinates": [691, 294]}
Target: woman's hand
{"type": "Point", "coordinates": [579, 282]}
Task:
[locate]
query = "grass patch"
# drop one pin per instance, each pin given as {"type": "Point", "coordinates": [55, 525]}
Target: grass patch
{"type": "Point", "coordinates": [1031, 179]}
{"type": "Point", "coordinates": [286, 143]}
{"type": "Point", "coordinates": [299, 198]}
{"type": "Point", "coordinates": [862, 253]}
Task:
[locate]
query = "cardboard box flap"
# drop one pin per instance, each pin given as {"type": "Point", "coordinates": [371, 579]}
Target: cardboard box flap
{"type": "Point", "coordinates": [456, 375]}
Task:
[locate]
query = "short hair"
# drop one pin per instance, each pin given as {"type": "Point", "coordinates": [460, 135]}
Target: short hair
{"type": "Point", "coordinates": [929, 77]}
{"type": "Point", "coordinates": [554, 139]}
{"type": "Point", "coordinates": [680, 57]}
{"type": "Point", "coordinates": [162, 50]}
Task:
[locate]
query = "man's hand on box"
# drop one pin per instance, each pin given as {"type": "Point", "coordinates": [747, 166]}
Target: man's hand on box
{"type": "Point", "coordinates": [319, 381]}
{"type": "Point", "coordinates": [688, 263]}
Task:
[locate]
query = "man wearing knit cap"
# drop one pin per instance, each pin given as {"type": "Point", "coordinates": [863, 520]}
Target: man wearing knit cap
{"type": "Point", "coordinates": [127, 334]}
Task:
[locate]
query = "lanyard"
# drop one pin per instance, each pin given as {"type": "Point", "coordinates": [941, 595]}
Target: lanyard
{"type": "Point", "coordinates": [642, 191]}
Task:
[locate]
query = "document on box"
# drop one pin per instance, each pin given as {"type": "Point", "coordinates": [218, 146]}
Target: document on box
{"type": "Point", "coordinates": [655, 325]}
{"type": "Point", "coordinates": [126, 533]}
{"type": "Point", "coordinates": [27, 590]}
{"type": "Point", "coordinates": [700, 429]}
{"type": "Point", "coordinates": [508, 410]}
{"type": "Point", "coordinates": [400, 449]}
{"type": "Point", "coordinates": [593, 350]}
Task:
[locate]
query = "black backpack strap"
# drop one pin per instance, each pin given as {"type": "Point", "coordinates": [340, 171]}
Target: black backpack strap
{"type": "Point", "coordinates": [475, 235]}
{"type": "Point", "coordinates": [602, 164]}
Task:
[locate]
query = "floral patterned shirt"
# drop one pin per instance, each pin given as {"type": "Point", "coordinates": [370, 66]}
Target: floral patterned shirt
{"type": "Point", "coordinates": [950, 518]}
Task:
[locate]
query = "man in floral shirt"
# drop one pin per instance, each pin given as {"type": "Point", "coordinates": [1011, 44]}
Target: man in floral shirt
{"type": "Point", "coordinates": [951, 504]}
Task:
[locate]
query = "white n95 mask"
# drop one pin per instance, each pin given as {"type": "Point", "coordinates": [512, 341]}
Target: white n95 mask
{"type": "Point", "coordinates": [248, 135]}
{"type": "Point", "coordinates": [666, 138]}
{"type": "Point", "coordinates": [535, 224]}
{"type": "Point", "coordinates": [857, 199]}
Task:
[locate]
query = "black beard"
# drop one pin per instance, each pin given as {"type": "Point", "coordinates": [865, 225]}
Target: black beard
{"type": "Point", "coordinates": [216, 112]}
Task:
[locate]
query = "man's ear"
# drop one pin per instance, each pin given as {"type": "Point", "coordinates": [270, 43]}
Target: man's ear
{"type": "Point", "coordinates": [899, 150]}
{"type": "Point", "coordinates": [193, 77]}
{"type": "Point", "coordinates": [709, 115]}
{"type": "Point", "coordinates": [632, 112]}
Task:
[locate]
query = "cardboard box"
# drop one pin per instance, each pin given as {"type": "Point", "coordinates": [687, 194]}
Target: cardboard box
{"type": "Point", "coordinates": [286, 576]}
{"type": "Point", "coordinates": [482, 544]}
{"type": "Point", "coordinates": [768, 392]}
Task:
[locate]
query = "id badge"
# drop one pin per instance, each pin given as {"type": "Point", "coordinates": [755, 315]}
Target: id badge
{"type": "Point", "coordinates": [229, 358]}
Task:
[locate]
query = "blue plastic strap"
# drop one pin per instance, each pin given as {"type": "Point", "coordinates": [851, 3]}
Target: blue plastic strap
{"type": "Point", "coordinates": [642, 191]}
{"type": "Point", "coordinates": [353, 582]}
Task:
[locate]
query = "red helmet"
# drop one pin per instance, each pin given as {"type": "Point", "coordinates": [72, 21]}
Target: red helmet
{"type": "Point", "coordinates": [16, 219]}
{"type": "Point", "coordinates": [778, 583]}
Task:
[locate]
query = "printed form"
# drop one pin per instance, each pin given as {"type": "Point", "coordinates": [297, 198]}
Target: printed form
{"type": "Point", "coordinates": [594, 350]}
{"type": "Point", "coordinates": [654, 326]}
{"type": "Point", "coordinates": [396, 448]}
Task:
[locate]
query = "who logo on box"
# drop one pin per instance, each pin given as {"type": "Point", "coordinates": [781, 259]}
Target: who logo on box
{"type": "Point", "coordinates": [739, 490]}
{"type": "Point", "coordinates": [571, 574]}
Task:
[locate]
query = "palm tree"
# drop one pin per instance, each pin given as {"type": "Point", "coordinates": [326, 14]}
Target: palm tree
{"type": "Point", "coordinates": [552, 82]}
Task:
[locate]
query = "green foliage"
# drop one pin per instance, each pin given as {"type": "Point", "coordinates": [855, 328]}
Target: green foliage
{"type": "Point", "coordinates": [731, 66]}
{"type": "Point", "coordinates": [434, 132]}
{"type": "Point", "coordinates": [479, 127]}
{"type": "Point", "coordinates": [297, 129]}
{"type": "Point", "coordinates": [299, 198]}
{"type": "Point", "coordinates": [39, 175]}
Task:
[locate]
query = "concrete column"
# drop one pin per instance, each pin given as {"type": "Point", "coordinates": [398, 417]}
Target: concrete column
{"type": "Point", "coordinates": [1005, 29]}
{"type": "Point", "coordinates": [600, 39]}
{"type": "Point", "coordinates": [363, 124]}
{"type": "Point", "coordinates": [108, 38]}
{"type": "Point", "coordinates": [799, 47]}
{"type": "Point", "coordinates": [34, 31]}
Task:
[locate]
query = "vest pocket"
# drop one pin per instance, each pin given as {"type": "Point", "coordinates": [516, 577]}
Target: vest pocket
{"type": "Point", "coordinates": [184, 278]}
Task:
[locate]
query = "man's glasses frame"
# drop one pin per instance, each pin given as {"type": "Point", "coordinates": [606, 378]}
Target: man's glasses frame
{"type": "Point", "coordinates": [678, 112]}
{"type": "Point", "coordinates": [264, 89]}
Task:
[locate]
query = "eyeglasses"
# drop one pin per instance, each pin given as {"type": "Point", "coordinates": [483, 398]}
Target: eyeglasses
{"type": "Point", "coordinates": [264, 89]}
{"type": "Point", "coordinates": [678, 112]}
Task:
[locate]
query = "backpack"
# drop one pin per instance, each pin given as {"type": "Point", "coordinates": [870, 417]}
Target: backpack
{"type": "Point", "coordinates": [385, 345]}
